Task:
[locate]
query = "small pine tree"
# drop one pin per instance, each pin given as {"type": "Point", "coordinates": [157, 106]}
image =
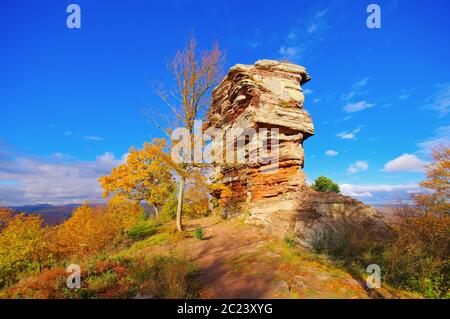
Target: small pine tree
{"type": "Point", "coordinates": [324, 184]}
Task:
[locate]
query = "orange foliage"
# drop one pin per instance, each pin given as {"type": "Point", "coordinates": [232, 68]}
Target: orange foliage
{"type": "Point", "coordinates": [49, 284]}
{"type": "Point", "coordinates": [89, 230]}
{"type": "Point", "coordinates": [437, 201]}
{"type": "Point", "coordinates": [418, 258]}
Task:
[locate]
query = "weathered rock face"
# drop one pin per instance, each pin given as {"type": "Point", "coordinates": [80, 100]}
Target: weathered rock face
{"type": "Point", "coordinates": [267, 96]}
{"type": "Point", "coordinates": [311, 217]}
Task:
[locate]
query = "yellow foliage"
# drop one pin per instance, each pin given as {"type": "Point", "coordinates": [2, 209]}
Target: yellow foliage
{"type": "Point", "coordinates": [437, 201]}
{"type": "Point", "coordinates": [197, 196]}
{"type": "Point", "coordinates": [126, 211]}
{"type": "Point", "coordinates": [23, 247]}
{"type": "Point", "coordinates": [5, 216]}
{"type": "Point", "coordinates": [146, 176]}
{"type": "Point", "coordinates": [220, 190]}
{"type": "Point", "coordinates": [89, 230]}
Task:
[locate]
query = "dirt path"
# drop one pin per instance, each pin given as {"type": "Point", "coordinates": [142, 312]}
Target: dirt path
{"type": "Point", "coordinates": [222, 243]}
{"type": "Point", "coordinates": [240, 261]}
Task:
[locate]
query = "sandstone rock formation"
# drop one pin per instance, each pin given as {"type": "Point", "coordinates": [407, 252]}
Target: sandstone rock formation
{"type": "Point", "coordinates": [264, 96]}
{"type": "Point", "coordinates": [268, 95]}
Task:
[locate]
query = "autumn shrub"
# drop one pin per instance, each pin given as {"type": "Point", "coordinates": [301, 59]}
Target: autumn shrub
{"type": "Point", "coordinates": [157, 277]}
{"type": "Point", "coordinates": [358, 243]}
{"type": "Point", "coordinates": [418, 257]}
{"type": "Point", "coordinates": [48, 284]}
{"type": "Point", "coordinates": [88, 231]}
{"type": "Point", "coordinates": [101, 277]}
{"type": "Point", "coordinates": [23, 248]}
{"type": "Point", "coordinates": [166, 277]}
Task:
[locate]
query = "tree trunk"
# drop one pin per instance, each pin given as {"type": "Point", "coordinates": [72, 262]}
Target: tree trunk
{"type": "Point", "coordinates": [180, 204]}
{"type": "Point", "coordinates": [156, 210]}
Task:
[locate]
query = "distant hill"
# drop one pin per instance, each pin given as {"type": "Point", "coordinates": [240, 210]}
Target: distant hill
{"type": "Point", "coordinates": [51, 214]}
{"type": "Point", "coordinates": [57, 214]}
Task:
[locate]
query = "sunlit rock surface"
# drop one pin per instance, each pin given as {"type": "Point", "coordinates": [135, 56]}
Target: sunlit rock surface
{"type": "Point", "coordinates": [270, 184]}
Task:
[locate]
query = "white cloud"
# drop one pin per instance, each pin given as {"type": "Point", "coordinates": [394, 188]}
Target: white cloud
{"type": "Point", "coordinates": [405, 94]}
{"type": "Point", "coordinates": [441, 137]}
{"type": "Point", "coordinates": [406, 163]}
{"type": "Point", "coordinates": [307, 91]}
{"type": "Point", "coordinates": [380, 193]}
{"type": "Point", "coordinates": [299, 43]}
{"type": "Point", "coordinates": [289, 53]}
{"type": "Point", "coordinates": [358, 166]}
{"type": "Point", "coordinates": [93, 138]}
{"type": "Point", "coordinates": [313, 27]}
{"type": "Point", "coordinates": [53, 180]}
{"type": "Point", "coordinates": [67, 133]}
{"type": "Point", "coordinates": [346, 135]}
{"type": "Point", "coordinates": [357, 89]}
{"type": "Point", "coordinates": [356, 107]}
{"type": "Point", "coordinates": [349, 135]}
{"type": "Point", "coordinates": [331, 153]}
{"type": "Point", "coordinates": [440, 99]}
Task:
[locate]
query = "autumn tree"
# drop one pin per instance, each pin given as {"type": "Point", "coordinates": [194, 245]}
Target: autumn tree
{"type": "Point", "coordinates": [197, 196]}
{"type": "Point", "coordinates": [418, 258]}
{"type": "Point", "coordinates": [437, 198]}
{"type": "Point", "coordinates": [127, 211]}
{"type": "Point", "coordinates": [23, 247]}
{"type": "Point", "coordinates": [195, 75]}
{"type": "Point", "coordinates": [90, 229]}
{"type": "Point", "coordinates": [145, 176]}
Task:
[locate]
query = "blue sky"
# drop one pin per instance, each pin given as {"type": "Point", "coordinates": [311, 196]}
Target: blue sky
{"type": "Point", "coordinates": [71, 100]}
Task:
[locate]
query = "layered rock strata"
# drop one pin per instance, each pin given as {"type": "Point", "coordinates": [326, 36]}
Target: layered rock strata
{"type": "Point", "coordinates": [266, 98]}
{"type": "Point", "coordinates": [262, 105]}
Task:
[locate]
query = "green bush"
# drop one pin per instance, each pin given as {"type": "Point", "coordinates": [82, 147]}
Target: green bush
{"type": "Point", "coordinates": [199, 234]}
{"type": "Point", "coordinates": [290, 242]}
{"type": "Point", "coordinates": [141, 230]}
{"type": "Point", "coordinates": [324, 184]}
{"type": "Point", "coordinates": [169, 209]}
